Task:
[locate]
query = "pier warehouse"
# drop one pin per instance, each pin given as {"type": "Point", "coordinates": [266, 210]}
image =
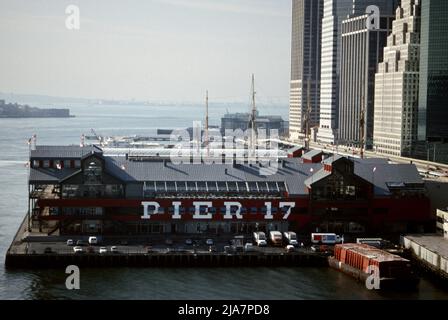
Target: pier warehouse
{"type": "Point", "coordinates": [80, 190]}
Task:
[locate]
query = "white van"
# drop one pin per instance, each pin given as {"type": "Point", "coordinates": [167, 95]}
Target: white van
{"type": "Point", "coordinates": [93, 240]}
{"type": "Point", "coordinates": [260, 239]}
{"type": "Point", "coordinates": [291, 238]}
{"type": "Point", "coordinates": [276, 238]}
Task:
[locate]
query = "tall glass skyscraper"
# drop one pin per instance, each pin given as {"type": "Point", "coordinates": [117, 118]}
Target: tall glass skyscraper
{"type": "Point", "coordinates": [335, 11]}
{"type": "Point", "coordinates": [305, 64]}
{"type": "Point", "coordinates": [362, 51]}
{"type": "Point", "coordinates": [433, 95]}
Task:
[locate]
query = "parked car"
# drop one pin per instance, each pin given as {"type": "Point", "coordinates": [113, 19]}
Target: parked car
{"type": "Point", "coordinates": [212, 249]}
{"type": "Point", "coordinates": [291, 238]}
{"type": "Point", "coordinates": [249, 247]}
{"type": "Point", "coordinates": [290, 248]}
{"type": "Point", "coordinates": [103, 250]}
{"type": "Point", "coordinates": [209, 242]}
{"type": "Point", "coordinates": [276, 238]}
{"type": "Point", "coordinates": [77, 249]}
{"type": "Point", "coordinates": [80, 243]}
{"type": "Point", "coordinates": [189, 242]}
{"type": "Point", "coordinates": [260, 239]}
{"type": "Point", "coordinates": [93, 240]}
{"type": "Point", "coordinates": [48, 250]}
{"type": "Point", "coordinates": [70, 242]}
{"type": "Point", "coordinates": [238, 243]}
{"type": "Point", "coordinates": [114, 249]}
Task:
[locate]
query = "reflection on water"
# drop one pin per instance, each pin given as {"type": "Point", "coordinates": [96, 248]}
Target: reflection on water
{"type": "Point", "coordinates": [199, 284]}
{"type": "Point", "coordinates": [243, 283]}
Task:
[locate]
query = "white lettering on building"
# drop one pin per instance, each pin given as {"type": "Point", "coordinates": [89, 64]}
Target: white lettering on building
{"type": "Point", "coordinates": [231, 205]}
{"type": "Point", "coordinates": [197, 210]}
{"type": "Point", "coordinates": [202, 210]}
{"type": "Point", "coordinates": [146, 205]}
{"type": "Point", "coordinates": [289, 205]}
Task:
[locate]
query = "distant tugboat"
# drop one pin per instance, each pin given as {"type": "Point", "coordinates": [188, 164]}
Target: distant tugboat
{"type": "Point", "coordinates": [395, 272]}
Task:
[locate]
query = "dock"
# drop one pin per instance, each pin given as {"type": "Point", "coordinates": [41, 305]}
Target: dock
{"type": "Point", "coordinates": [31, 251]}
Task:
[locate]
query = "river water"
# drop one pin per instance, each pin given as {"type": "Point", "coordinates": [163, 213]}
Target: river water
{"type": "Point", "coordinates": [130, 283]}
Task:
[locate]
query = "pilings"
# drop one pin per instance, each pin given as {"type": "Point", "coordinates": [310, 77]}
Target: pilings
{"type": "Point", "coordinates": [164, 260]}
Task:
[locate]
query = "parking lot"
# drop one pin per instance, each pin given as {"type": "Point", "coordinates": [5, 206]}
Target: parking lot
{"type": "Point", "coordinates": [148, 247]}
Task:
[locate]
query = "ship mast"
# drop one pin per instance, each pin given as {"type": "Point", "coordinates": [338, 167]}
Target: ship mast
{"type": "Point", "coordinates": [307, 117]}
{"type": "Point", "coordinates": [206, 125]}
{"type": "Point", "coordinates": [253, 116]}
{"type": "Point", "coordinates": [362, 121]}
{"type": "Point", "coordinates": [361, 127]}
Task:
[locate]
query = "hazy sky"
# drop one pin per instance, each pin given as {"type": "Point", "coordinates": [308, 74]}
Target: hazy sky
{"type": "Point", "coordinates": [147, 49]}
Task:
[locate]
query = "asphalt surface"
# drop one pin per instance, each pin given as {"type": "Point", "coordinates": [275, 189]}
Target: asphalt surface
{"type": "Point", "coordinates": [199, 247]}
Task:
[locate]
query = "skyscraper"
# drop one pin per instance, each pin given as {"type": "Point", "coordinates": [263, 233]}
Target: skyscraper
{"type": "Point", "coordinates": [335, 11]}
{"type": "Point", "coordinates": [433, 95]}
{"type": "Point", "coordinates": [305, 64]}
{"type": "Point", "coordinates": [361, 52]}
{"type": "Point", "coordinates": [397, 84]}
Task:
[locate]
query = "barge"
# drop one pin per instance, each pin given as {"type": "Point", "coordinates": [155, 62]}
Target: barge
{"type": "Point", "coordinates": [359, 260]}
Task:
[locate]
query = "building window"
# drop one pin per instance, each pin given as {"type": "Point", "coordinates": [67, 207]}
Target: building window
{"type": "Point", "coordinates": [92, 171]}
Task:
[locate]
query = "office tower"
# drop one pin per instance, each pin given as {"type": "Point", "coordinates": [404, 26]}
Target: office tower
{"type": "Point", "coordinates": [397, 83]}
{"type": "Point", "coordinates": [335, 11]}
{"type": "Point", "coordinates": [433, 95]}
{"type": "Point", "coordinates": [305, 65]}
{"type": "Point", "coordinates": [361, 52]}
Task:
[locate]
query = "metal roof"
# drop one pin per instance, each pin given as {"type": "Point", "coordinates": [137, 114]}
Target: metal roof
{"type": "Point", "coordinates": [48, 175]}
{"type": "Point", "coordinates": [63, 152]}
{"type": "Point", "coordinates": [294, 149]}
{"type": "Point", "coordinates": [293, 172]}
{"type": "Point", "coordinates": [290, 171]}
{"type": "Point", "coordinates": [311, 154]}
{"type": "Point", "coordinates": [333, 158]}
{"type": "Point", "coordinates": [388, 173]}
{"type": "Point", "coordinates": [319, 175]}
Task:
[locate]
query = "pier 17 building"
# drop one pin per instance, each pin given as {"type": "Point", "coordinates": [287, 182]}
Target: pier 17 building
{"type": "Point", "coordinates": [81, 190]}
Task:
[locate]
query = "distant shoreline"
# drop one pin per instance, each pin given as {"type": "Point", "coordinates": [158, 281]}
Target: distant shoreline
{"type": "Point", "coordinates": [10, 110]}
{"type": "Point", "coordinates": [34, 116]}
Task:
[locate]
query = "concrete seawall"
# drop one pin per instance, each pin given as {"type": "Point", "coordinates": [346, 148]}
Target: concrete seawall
{"type": "Point", "coordinates": [165, 260]}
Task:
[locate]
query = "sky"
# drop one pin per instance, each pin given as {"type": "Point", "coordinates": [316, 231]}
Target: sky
{"type": "Point", "coordinates": [171, 50]}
